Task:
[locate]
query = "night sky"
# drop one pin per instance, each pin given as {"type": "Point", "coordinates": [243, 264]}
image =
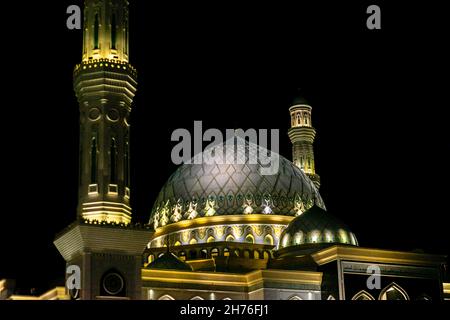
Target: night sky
{"type": "Point", "coordinates": [378, 97]}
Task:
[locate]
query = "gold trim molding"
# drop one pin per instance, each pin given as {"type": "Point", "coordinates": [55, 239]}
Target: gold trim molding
{"type": "Point", "coordinates": [219, 220]}
{"type": "Point", "coordinates": [376, 255]}
{"type": "Point", "coordinates": [233, 280]}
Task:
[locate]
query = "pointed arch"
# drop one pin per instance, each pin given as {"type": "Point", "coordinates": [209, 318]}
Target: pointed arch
{"type": "Point", "coordinates": [230, 238]}
{"type": "Point", "coordinates": [330, 297]}
{"type": "Point", "coordinates": [211, 239]}
{"type": "Point", "coordinates": [94, 160]}
{"type": "Point", "coordinates": [393, 292]}
{"type": "Point", "coordinates": [249, 238]}
{"type": "Point", "coordinates": [177, 244]}
{"type": "Point", "coordinates": [166, 297]}
{"type": "Point", "coordinates": [295, 297]}
{"type": "Point", "coordinates": [363, 295]}
{"type": "Point", "coordinates": [113, 31]}
{"type": "Point", "coordinates": [113, 161]}
{"type": "Point", "coordinates": [96, 31]}
{"type": "Point", "coordinates": [193, 241]}
{"type": "Point", "coordinates": [197, 298]}
{"type": "Point", "coordinates": [268, 240]}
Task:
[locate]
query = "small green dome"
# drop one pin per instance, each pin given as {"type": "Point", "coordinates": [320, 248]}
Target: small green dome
{"type": "Point", "coordinates": [300, 100]}
{"type": "Point", "coordinates": [316, 226]}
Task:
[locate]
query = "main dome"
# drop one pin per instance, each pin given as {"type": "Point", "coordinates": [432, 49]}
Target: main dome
{"type": "Point", "coordinates": [206, 190]}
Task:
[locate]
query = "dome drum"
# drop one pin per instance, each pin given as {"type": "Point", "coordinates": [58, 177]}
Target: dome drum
{"type": "Point", "coordinates": [254, 229]}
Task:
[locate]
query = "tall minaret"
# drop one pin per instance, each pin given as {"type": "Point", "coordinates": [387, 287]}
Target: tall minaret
{"type": "Point", "coordinates": [302, 136]}
{"type": "Point", "coordinates": [107, 256]}
{"type": "Point", "coordinates": [105, 85]}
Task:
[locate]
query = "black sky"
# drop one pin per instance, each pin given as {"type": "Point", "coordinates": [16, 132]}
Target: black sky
{"type": "Point", "coordinates": [379, 100]}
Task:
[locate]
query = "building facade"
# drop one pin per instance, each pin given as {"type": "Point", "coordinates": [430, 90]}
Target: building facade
{"type": "Point", "coordinates": [216, 231]}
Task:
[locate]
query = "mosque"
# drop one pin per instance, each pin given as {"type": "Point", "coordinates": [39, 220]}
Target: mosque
{"type": "Point", "coordinates": [216, 231]}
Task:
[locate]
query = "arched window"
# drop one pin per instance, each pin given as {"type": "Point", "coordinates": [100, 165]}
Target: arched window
{"type": "Point", "coordinates": [125, 49]}
{"type": "Point", "coordinates": [249, 238]}
{"type": "Point", "coordinates": [113, 31]}
{"type": "Point", "coordinates": [268, 239]}
{"type": "Point", "coordinates": [363, 295]}
{"type": "Point", "coordinates": [127, 164]}
{"type": "Point", "coordinates": [256, 254]}
{"type": "Point", "coordinates": [166, 297]}
{"type": "Point", "coordinates": [85, 26]}
{"type": "Point", "coordinates": [226, 252]}
{"type": "Point", "coordinates": [229, 238]}
{"type": "Point", "coordinates": [204, 253]}
{"type": "Point", "coordinates": [266, 255]}
{"type": "Point", "coordinates": [247, 254]}
{"type": "Point", "coordinates": [96, 31]}
{"type": "Point", "coordinates": [393, 292]}
{"type": "Point", "coordinates": [214, 252]}
{"type": "Point", "coordinates": [94, 157]}
{"type": "Point", "coordinates": [113, 161]}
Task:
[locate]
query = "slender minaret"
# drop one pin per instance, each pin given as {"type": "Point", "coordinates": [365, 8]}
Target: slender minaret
{"type": "Point", "coordinates": [106, 258]}
{"type": "Point", "coordinates": [302, 136]}
{"type": "Point", "coordinates": [105, 85]}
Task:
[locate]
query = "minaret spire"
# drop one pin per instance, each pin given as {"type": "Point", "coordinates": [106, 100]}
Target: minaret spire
{"type": "Point", "coordinates": [105, 85]}
{"type": "Point", "coordinates": [302, 135]}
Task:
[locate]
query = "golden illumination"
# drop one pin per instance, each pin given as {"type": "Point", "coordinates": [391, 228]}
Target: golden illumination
{"type": "Point", "coordinates": [446, 288]}
{"type": "Point", "coordinates": [376, 255]}
{"type": "Point", "coordinates": [233, 280]}
{"type": "Point", "coordinates": [228, 219]}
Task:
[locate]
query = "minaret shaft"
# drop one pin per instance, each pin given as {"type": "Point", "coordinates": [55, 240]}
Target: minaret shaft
{"type": "Point", "coordinates": [302, 136]}
{"type": "Point", "coordinates": [105, 85]}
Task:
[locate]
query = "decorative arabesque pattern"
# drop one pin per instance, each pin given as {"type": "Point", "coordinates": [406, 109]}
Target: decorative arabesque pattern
{"type": "Point", "coordinates": [205, 190]}
{"type": "Point", "coordinates": [249, 233]}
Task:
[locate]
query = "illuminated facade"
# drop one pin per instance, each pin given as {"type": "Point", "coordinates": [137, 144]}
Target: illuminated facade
{"type": "Point", "coordinates": [216, 231]}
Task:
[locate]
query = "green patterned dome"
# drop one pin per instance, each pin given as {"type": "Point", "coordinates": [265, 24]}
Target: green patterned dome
{"type": "Point", "coordinates": [199, 190]}
{"type": "Point", "coordinates": [316, 226]}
